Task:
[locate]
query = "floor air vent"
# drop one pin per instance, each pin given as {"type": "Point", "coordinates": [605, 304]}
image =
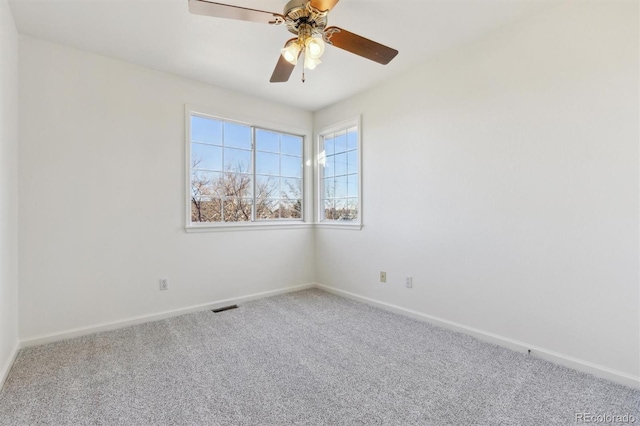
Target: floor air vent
{"type": "Point", "coordinates": [225, 308]}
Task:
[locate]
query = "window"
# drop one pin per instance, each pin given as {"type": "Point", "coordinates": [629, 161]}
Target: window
{"type": "Point", "coordinates": [241, 173]}
{"type": "Point", "coordinates": [339, 174]}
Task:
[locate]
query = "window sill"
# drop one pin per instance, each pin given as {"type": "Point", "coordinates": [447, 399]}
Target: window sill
{"type": "Point", "coordinates": [338, 225]}
{"type": "Point", "coordinates": [263, 226]}
{"type": "Point", "coordinates": [247, 227]}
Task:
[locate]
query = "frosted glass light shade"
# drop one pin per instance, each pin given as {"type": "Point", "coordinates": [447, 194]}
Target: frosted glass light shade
{"type": "Point", "coordinates": [310, 63]}
{"type": "Point", "coordinates": [315, 47]}
{"type": "Point", "coordinates": [291, 53]}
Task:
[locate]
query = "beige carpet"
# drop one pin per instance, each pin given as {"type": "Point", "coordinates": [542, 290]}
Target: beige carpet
{"type": "Point", "coordinates": [307, 358]}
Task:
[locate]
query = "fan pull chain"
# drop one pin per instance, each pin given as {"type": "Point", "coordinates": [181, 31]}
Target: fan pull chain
{"type": "Point", "coordinates": [303, 79]}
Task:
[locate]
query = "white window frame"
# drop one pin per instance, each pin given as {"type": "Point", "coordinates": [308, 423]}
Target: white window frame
{"type": "Point", "coordinates": [321, 222]}
{"type": "Point", "coordinates": [307, 202]}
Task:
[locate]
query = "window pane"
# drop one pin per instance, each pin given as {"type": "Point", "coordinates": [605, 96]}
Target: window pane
{"type": "Point", "coordinates": [352, 162]}
{"type": "Point", "coordinates": [329, 166]}
{"type": "Point", "coordinates": [237, 135]}
{"type": "Point", "coordinates": [267, 187]}
{"type": "Point", "coordinates": [237, 209]}
{"type": "Point", "coordinates": [329, 146]}
{"type": "Point", "coordinates": [291, 145]}
{"type": "Point", "coordinates": [341, 164]}
{"type": "Point", "coordinates": [279, 181]}
{"type": "Point", "coordinates": [206, 210]}
{"type": "Point", "coordinates": [237, 160]}
{"type": "Point", "coordinates": [206, 157]}
{"type": "Point", "coordinates": [291, 209]}
{"type": "Point", "coordinates": [341, 187]}
{"type": "Point", "coordinates": [352, 185]}
{"type": "Point", "coordinates": [352, 139]}
{"type": "Point", "coordinates": [291, 189]}
{"type": "Point", "coordinates": [329, 188]}
{"type": "Point", "coordinates": [291, 166]}
{"type": "Point", "coordinates": [206, 130]}
{"type": "Point", "coordinates": [267, 141]}
{"type": "Point", "coordinates": [267, 164]}
{"type": "Point", "coordinates": [205, 184]}
{"type": "Point", "coordinates": [341, 209]}
{"type": "Point", "coordinates": [267, 209]}
{"type": "Point", "coordinates": [236, 185]}
{"type": "Point", "coordinates": [341, 142]}
{"type": "Point", "coordinates": [330, 209]}
{"type": "Point", "coordinates": [350, 211]}
{"type": "Point", "coordinates": [334, 209]}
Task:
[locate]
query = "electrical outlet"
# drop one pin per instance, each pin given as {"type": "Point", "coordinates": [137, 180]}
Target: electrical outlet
{"type": "Point", "coordinates": [408, 282]}
{"type": "Point", "coordinates": [164, 284]}
{"type": "Point", "coordinates": [383, 277]}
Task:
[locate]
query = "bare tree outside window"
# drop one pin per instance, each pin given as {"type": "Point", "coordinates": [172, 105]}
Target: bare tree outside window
{"type": "Point", "coordinates": [232, 181]}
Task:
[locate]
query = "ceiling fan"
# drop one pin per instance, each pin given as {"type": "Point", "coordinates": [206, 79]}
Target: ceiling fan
{"type": "Point", "coordinates": [307, 19]}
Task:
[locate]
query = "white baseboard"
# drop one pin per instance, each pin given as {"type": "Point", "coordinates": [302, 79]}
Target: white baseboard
{"type": "Point", "coordinates": [4, 372]}
{"type": "Point", "coordinates": [82, 331]}
{"type": "Point", "coordinates": [558, 358]}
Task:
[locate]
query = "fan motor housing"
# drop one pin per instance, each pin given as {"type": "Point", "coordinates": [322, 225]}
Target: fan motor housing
{"type": "Point", "coordinates": [298, 12]}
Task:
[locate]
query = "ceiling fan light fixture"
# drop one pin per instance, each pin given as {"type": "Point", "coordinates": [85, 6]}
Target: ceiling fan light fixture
{"type": "Point", "coordinates": [291, 53]}
{"type": "Point", "coordinates": [311, 63]}
{"type": "Point", "coordinates": [314, 47]}
{"type": "Point", "coordinates": [307, 19]}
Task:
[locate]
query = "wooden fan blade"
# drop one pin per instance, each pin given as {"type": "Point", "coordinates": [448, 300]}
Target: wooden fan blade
{"type": "Point", "coordinates": [219, 10]}
{"type": "Point", "coordinates": [283, 69]}
{"type": "Point", "coordinates": [324, 5]}
{"type": "Point", "coordinates": [359, 45]}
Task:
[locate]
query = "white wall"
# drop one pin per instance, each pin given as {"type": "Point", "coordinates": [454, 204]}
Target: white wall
{"type": "Point", "coordinates": [515, 161]}
{"type": "Point", "coordinates": [8, 188]}
{"type": "Point", "coordinates": [503, 177]}
{"type": "Point", "coordinates": [102, 190]}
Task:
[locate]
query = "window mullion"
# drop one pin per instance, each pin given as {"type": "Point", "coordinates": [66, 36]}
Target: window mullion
{"type": "Point", "coordinates": [279, 193]}
{"type": "Point", "coordinates": [253, 173]}
{"type": "Point", "coordinates": [223, 196]}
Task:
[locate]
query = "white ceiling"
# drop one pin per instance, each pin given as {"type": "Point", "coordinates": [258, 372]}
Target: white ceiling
{"type": "Point", "coordinates": [238, 55]}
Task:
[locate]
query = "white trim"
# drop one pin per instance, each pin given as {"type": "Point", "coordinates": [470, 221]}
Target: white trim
{"type": "Point", "coordinates": [254, 226]}
{"type": "Point", "coordinates": [518, 346]}
{"type": "Point", "coordinates": [4, 373]}
{"type": "Point", "coordinates": [241, 119]}
{"type": "Point", "coordinates": [342, 125]}
{"type": "Point", "coordinates": [82, 331]}
{"type": "Point", "coordinates": [338, 225]}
